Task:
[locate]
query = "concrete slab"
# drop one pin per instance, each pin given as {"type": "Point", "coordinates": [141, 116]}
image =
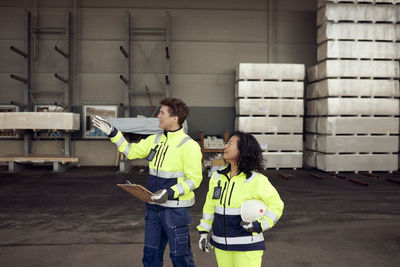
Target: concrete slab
{"type": "Point", "coordinates": [353, 106]}
{"type": "Point", "coordinates": [358, 31]}
{"type": "Point", "coordinates": [270, 71]}
{"type": "Point", "coordinates": [353, 87]}
{"type": "Point", "coordinates": [358, 50]}
{"type": "Point", "coordinates": [80, 218]}
{"type": "Point", "coordinates": [278, 142]}
{"type": "Point", "coordinates": [269, 124]}
{"type": "Point", "coordinates": [357, 13]}
{"type": "Point", "coordinates": [281, 89]}
{"type": "Point", "coordinates": [40, 120]}
{"type": "Point", "coordinates": [293, 107]}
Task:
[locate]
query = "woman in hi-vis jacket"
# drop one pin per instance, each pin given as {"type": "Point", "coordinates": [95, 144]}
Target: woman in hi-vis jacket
{"type": "Point", "coordinates": [236, 242]}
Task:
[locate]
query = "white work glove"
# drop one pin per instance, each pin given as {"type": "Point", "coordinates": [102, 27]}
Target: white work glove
{"type": "Point", "coordinates": [160, 196]}
{"type": "Point", "coordinates": [102, 125]}
{"type": "Point", "coordinates": [204, 245]}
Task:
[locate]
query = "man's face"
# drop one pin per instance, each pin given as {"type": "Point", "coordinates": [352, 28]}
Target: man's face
{"type": "Point", "coordinates": [166, 121]}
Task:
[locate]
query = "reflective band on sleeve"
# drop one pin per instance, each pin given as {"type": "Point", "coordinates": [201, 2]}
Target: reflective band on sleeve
{"type": "Point", "coordinates": [208, 217]}
{"type": "Point", "coordinates": [181, 190]}
{"type": "Point", "coordinates": [177, 203]}
{"type": "Point", "coordinates": [127, 148]}
{"type": "Point", "coordinates": [184, 140]}
{"type": "Point", "coordinates": [265, 225]}
{"type": "Point", "coordinates": [216, 176]}
{"type": "Point", "coordinates": [164, 174]}
{"type": "Point", "coordinates": [190, 184]}
{"type": "Point", "coordinates": [120, 141]}
{"type": "Point", "coordinates": [228, 211]}
{"type": "Point", "coordinates": [205, 225]}
{"type": "Point", "coordinates": [242, 240]}
{"type": "Point", "coordinates": [271, 216]}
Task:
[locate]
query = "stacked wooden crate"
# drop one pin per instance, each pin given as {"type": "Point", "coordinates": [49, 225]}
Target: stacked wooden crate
{"type": "Point", "coordinates": [270, 105]}
{"type": "Point", "coordinates": [352, 100]}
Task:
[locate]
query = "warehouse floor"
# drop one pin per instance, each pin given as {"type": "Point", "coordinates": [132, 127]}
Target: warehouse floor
{"type": "Point", "coordinates": [81, 218]}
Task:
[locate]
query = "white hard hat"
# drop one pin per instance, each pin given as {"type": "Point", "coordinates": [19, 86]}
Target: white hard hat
{"type": "Point", "coordinates": [252, 209]}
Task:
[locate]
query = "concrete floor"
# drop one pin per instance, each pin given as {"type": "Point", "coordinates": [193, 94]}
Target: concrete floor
{"type": "Point", "coordinates": [81, 218]}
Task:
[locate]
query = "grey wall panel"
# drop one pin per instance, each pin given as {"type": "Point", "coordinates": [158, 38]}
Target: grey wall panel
{"type": "Point", "coordinates": [11, 61]}
{"type": "Point", "coordinates": [214, 26]}
{"type": "Point", "coordinates": [47, 82]}
{"type": "Point", "coordinates": [10, 89]}
{"type": "Point", "coordinates": [101, 57]}
{"type": "Point", "coordinates": [12, 23]}
{"type": "Point", "coordinates": [221, 4]}
{"type": "Point", "coordinates": [292, 27]}
{"type": "Point", "coordinates": [46, 58]}
{"type": "Point", "coordinates": [214, 57]}
{"type": "Point", "coordinates": [296, 53]}
{"type": "Point", "coordinates": [102, 24]}
{"type": "Point", "coordinates": [204, 90]}
{"type": "Point", "coordinates": [303, 5]}
{"type": "Point", "coordinates": [211, 120]}
{"type": "Point", "coordinates": [100, 88]}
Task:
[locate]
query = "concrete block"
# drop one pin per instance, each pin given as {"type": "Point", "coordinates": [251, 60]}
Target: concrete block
{"type": "Point", "coordinates": [358, 50]}
{"type": "Point", "coordinates": [332, 68]}
{"type": "Point", "coordinates": [353, 106]}
{"type": "Point", "coordinates": [294, 107]}
{"type": "Point", "coordinates": [269, 71]}
{"type": "Point", "coordinates": [352, 125]}
{"type": "Point", "coordinates": [279, 142]}
{"type": "Point", "coordinates": [40, 120]}
{"type": "Point", "coordinates": [357, 13]}
{"type": "Point", "coordinates": [322, 3]}
{"type": "Point", "coordinates": [245, 89]}
{"type": "Point", "coordinates": [353, 87]}
{"type": "Point", "coordinates": [269, 124]}
{"type": "Point", "coordinates": [353, 162]}
{"type": "Point", "coordinates": [278, 160]}
{"type": "Point", "coordinates": [358, 31]}
{"type": "Point", "coordinates": [352, 144]}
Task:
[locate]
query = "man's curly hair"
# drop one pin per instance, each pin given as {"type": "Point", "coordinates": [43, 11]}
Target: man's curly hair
{"type": "Point", "coordinates": [250, 153]}
{"type": "Point", "coordinates": [176, 107]}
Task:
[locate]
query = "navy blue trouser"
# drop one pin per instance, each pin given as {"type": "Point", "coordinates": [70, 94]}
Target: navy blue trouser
{"type": "Point", "coordinates": [167, 225]}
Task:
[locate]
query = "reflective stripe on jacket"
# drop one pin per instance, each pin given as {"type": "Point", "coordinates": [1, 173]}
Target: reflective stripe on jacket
{"type": "Point", "coordinates": [222, 214]}
{"type": "Point", "coordinates": [176, 164]}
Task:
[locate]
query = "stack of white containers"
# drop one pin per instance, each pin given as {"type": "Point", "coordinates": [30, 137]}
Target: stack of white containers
{"type": "Point", "coordinates": [270, 105]}
{"type": "Point", "coordinates": [353, 107]}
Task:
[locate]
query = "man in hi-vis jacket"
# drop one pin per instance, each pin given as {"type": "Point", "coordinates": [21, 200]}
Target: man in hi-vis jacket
{"type": "Point", "coordinates": [174, 172]}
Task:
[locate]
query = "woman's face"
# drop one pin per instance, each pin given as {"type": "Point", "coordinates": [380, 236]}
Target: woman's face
{"type": "Point", "coordinates": [231, 150]}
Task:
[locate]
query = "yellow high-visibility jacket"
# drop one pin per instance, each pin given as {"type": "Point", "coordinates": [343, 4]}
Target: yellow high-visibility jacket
{"type": "Point", "coordinates": [176, 165]}
{"type": "Point", "coordinates": [221, 212]}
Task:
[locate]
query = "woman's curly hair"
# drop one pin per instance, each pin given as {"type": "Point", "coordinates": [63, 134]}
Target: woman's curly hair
{"type": "Point", "coordinates": [250, 153]}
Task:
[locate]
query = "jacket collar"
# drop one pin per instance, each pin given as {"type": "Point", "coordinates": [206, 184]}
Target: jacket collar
{"type": "Point", "coordinates": [226, 171]}
{"type": "Point", "coordinates": [170, 134]}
